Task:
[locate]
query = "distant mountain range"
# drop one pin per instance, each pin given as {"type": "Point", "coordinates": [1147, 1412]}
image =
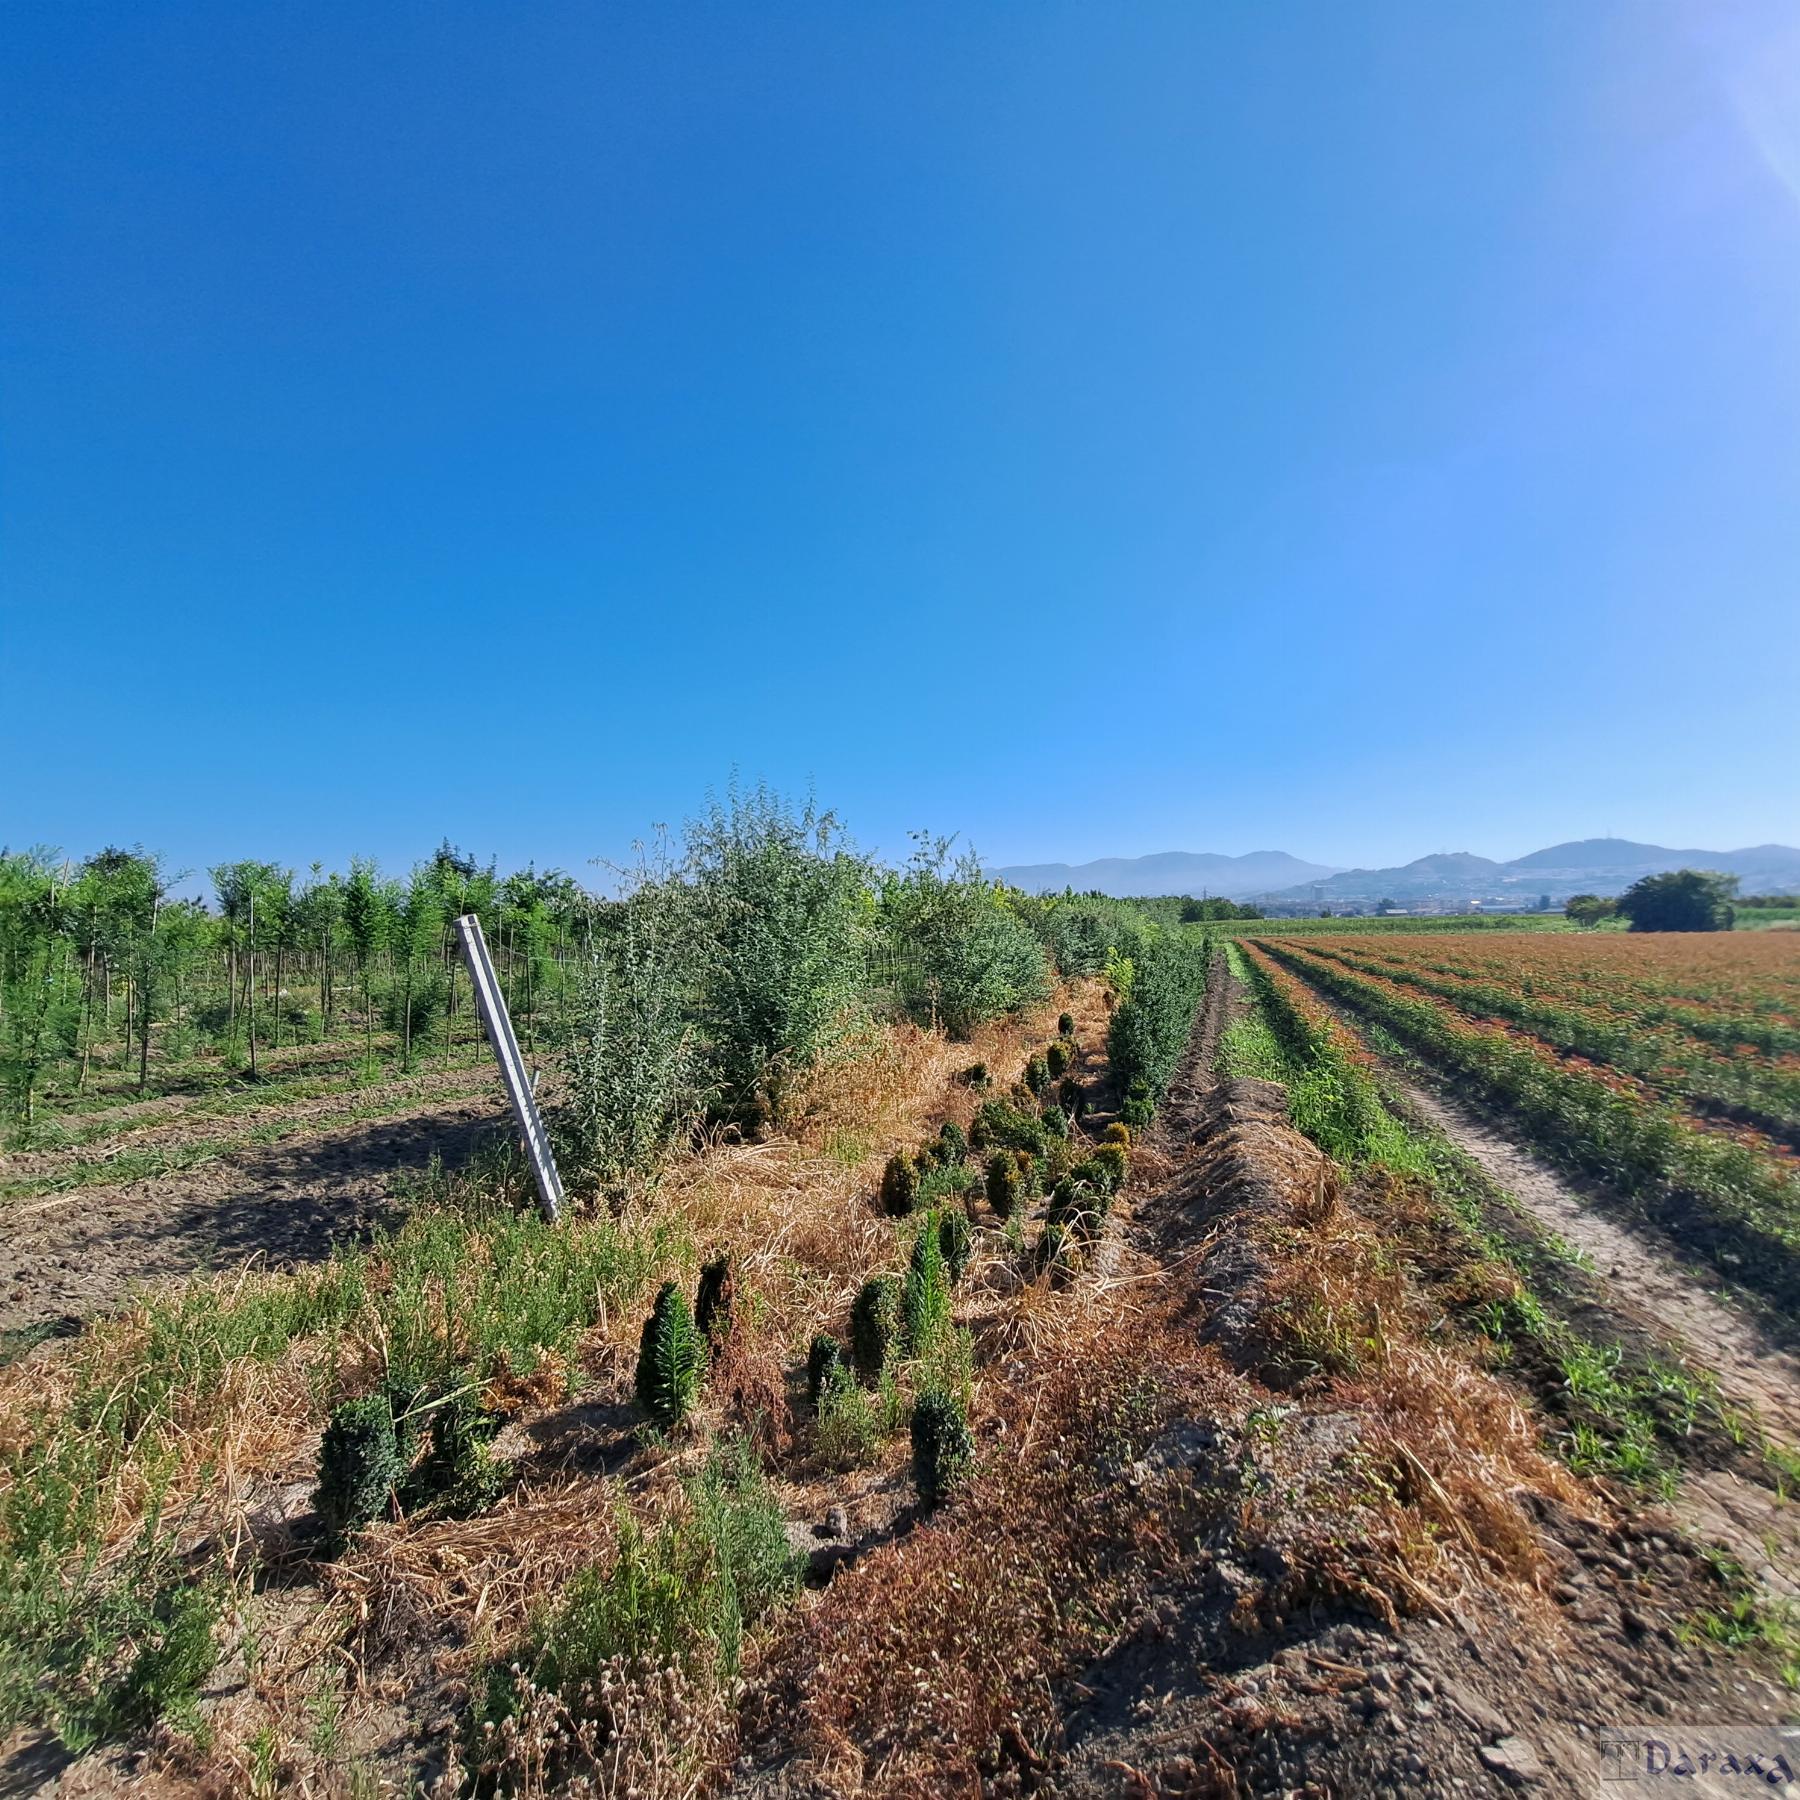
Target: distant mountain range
{"type": "Point", "coordinates": [1455, 878]}
{"type": "Point", "coordinates": [1170, 872]}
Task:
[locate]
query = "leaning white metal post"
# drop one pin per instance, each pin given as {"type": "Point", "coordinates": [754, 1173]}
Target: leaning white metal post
{"type": "Point", "coordinates": [494, 1016]}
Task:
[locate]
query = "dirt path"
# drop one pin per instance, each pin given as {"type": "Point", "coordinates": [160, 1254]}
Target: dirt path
{"type": "Point", "coordinates": [68, 1256]}
{"type": "Point", "coordinates": [1645, 1280]}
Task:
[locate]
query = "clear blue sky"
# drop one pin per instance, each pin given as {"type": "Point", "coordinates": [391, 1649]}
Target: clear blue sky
{"type": "Point", "coordinates": [1355, 429]}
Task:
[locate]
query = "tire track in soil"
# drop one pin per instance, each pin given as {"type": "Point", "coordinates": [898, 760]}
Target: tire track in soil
{"type": "Point", "coordinates": [277, 1205]}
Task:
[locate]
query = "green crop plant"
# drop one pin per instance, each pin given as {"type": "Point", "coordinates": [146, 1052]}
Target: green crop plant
{"type": "Point", "coordinates": [956, 1242]}
{"type": "Point", "coordinates": [1005, 1183]}
{"type": "Point", "coordinates": [849, 1420]}
{"type": "Point", "coordinates": [824, 1355]}
{"type": "Point", "coordinates": [1036, 1076]}
{"type": "Point", "coordinates": [943, 1449]}
{"type": "Point", "coordinates": [925, 1304]}
{"type": "Point", "coordinates": [952, 1144]}
{"type": "Point", "coordinates": [874, 1325]}
{"type": "Point", "coordinates": [1071, 1097]}
{"type": "Point", "coordinates": [976, 1076]}
{"type": "Point", "coordinates": [458, 1475]}
{"type": "Point", "coordinates": [1056, 1060]}
{"type": "Point", "coordinates": [1139, 1108]}
{"type": "Point", "coordinates": [715, 1303]}
{"type": "Point", "coordinates": [1117, 1133]}
{"type": "Point", "coordinates": [359, 1467]}
{"type": "Point", "coordinates": [1001, 1125]}
{"type": "Point", "coordinates": [1055, 1122]}
{"type": "Point", "coordinates": [1114, 1163]}
{"type": "Point", "coordinates": [1065, 1024]}
{"type": "Point", "coordinates": [900, 1185]}
{"type": "Point", "coordinates": [671, 1359]}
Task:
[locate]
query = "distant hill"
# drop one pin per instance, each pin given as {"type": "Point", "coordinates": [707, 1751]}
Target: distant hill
{"type": "Point", "coordinates": [1590, 866]}
{"type": "Point", "coordinates": [1447, 878]}
{"type": "Point", "coordinates": [1169, 872]}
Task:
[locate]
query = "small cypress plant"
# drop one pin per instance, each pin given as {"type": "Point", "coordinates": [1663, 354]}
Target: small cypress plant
{"type": "Point", "coordinates": [952, 1144]}
{"type": "Point", "coordinates": [825, 1355]}
{"type": "Point", "coordinates": [671, 1359]}
{"type": "Point", "coordinates": [976, 1076]}
{"type": "Point", "coordinates": [1065, 1024]}
{"type": "Point", "coordinates": [1056, 1060]}
{"type": "Point", "coordinates": [900, 1185]}
{"type": "Point", "coordinates": [926, 1299]}
{"type": "Point", "coordinates": [943, 1450]}
{"type": "Point", "coordinates": [956, 1242]}
{"type": "Point", "coordinates": [1115, 1161]}
{"type": "Point", "coordinates": [1070, 1097]}
{"type": "Point", "coordinates": [1031, 1173]}
{"type": "Point", "coordinates": [1092, 1172]}
{"type": "Point", "coordinates": [1037, 1077]}
{"type": "Point", "coordinates": [359, 1466]}
{"type": "Point", "coordinates": [1055, 1121]}
{"type": "Point", "coordinates": [1118, 1132]}
{"type": "Point", "coordinates": [874, 1324]}
{"type": "Point", "coordinates": [715, 1302]}
{"type": "Point", "coordinates": [1005, 1183]}
{"type": "Point", "coordinates": [1139, 1108]}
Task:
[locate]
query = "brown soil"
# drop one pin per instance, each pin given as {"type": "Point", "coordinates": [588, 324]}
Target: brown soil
{"type": "Point", "coordinates": [69, 1256]}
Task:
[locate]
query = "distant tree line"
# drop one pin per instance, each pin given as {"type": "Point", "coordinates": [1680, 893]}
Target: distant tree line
{"type": "Point", "coordinates": [1681, 900]}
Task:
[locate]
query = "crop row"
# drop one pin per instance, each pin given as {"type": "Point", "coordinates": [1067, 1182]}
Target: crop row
{"type": "Point", "coordinates": [1733, 1024]}
{"type": "Point", "coordinates": [1764, 1095]}
{"type": "Point", "coordinates": [1717, 1198]}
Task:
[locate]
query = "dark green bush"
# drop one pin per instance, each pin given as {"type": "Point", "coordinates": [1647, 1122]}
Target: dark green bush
{"type": "Point", "coordinates": [952, 1144]}
{"type": "Point", "coordinates": [976, 1076]}
{"type": "Point", "coordinates": [1139, 1108]}
{"type": "Point", "coordinates": [1056, 1060]}
{"type": "Point", "coordinates": [1117, 1133]}
{"type": "Point", "coordinates": [999, 1125]}
{"type": "Point", "coordinates": [874, 1325]}
{"type": "Point", "coordinates": [1037, 1076]}
{"type": "Point", "coordinates": [359, 1466]}
{"type": "Point", "coordinates": [172, 1662]}
{"type": "Point", "coordinates": [1005, 1183]}
{"type": "Point", "coordinates": [943, 1450]}
{"type": "Point", "coordinates": [900, 1185]}
{"type": "Point", "coordinates": [715, 1302]}
{"type": "Point", "coordinates": [956, 1242]}
{"type": "Point", "coordinates": [825, 1355]}
{"type": "Point", "coordinates": [1070, 1097]}
{"type": "Point", "coordinates": [1055, 1122]}
{"type": "Point", "coordinates": [1150, 1030]}
{"type": "Point", "coordinates": [1065, 1024]}
{"type": "Point", "coordinates": [671, 1359]}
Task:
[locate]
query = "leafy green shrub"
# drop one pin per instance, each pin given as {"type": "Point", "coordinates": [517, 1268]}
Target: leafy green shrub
{"type": "Point", "coordinates": [956, 1242]}
{"type": "Point", "coordinates": [1005, 1184]}
{"type": "Point", "coordinates": [1071, 1097]}
{"type": "Point", "coordinates": [782, 921]}
{"type": "Point", "coordinates": [1090, 1172]}
{"type": "Point", "coordinates": [1117, 1133]}
{"type": "Point", "coordinates": [1139, 1108]}
{"type": "Point", "coordinates": [715, 1302]}
{"type": "Point", "coordinates": [1037, 1076]}
{"type": "Point", "coordinates": [874, 1325]}
{"type": "Point", "coordinates": [952, 1144]}
{"type": "Point", "coordinates": [943, 1450]}
{"type": "Point", "coordinates": [899, 1185]}
{"type": "Point", "coordinates": [1055, 1122]}
{"type": "Point", "coordinates": [959, 951]}
{"type": "Point", "coordinates": [926, 1301]}
{"type": "Point", "coordinates": [1065, 1024]}
{"type": "Point", "coordinates": [632, 1078]}
{"type": "Point", "coordinates": [849, 1426]}
{"type": "Point", "coordinates": [671, 1359]}
{"type": "Point", "coordinates": [359, 1466]}
{"type": "Point", "coordinates": [1056, 1060]}
{"type": "Point", "coordinates": [1058, 1253]}
{"type": "Point", "coordinates": [976, 1076]}
{"type": "Point", "coordinates": [1151, 1027]}
{"type": "Point", "coordinates": [825, 1354]}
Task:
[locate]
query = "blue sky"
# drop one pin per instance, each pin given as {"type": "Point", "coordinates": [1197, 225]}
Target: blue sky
{"type": "Point", "coordinates": [1361, 430]}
